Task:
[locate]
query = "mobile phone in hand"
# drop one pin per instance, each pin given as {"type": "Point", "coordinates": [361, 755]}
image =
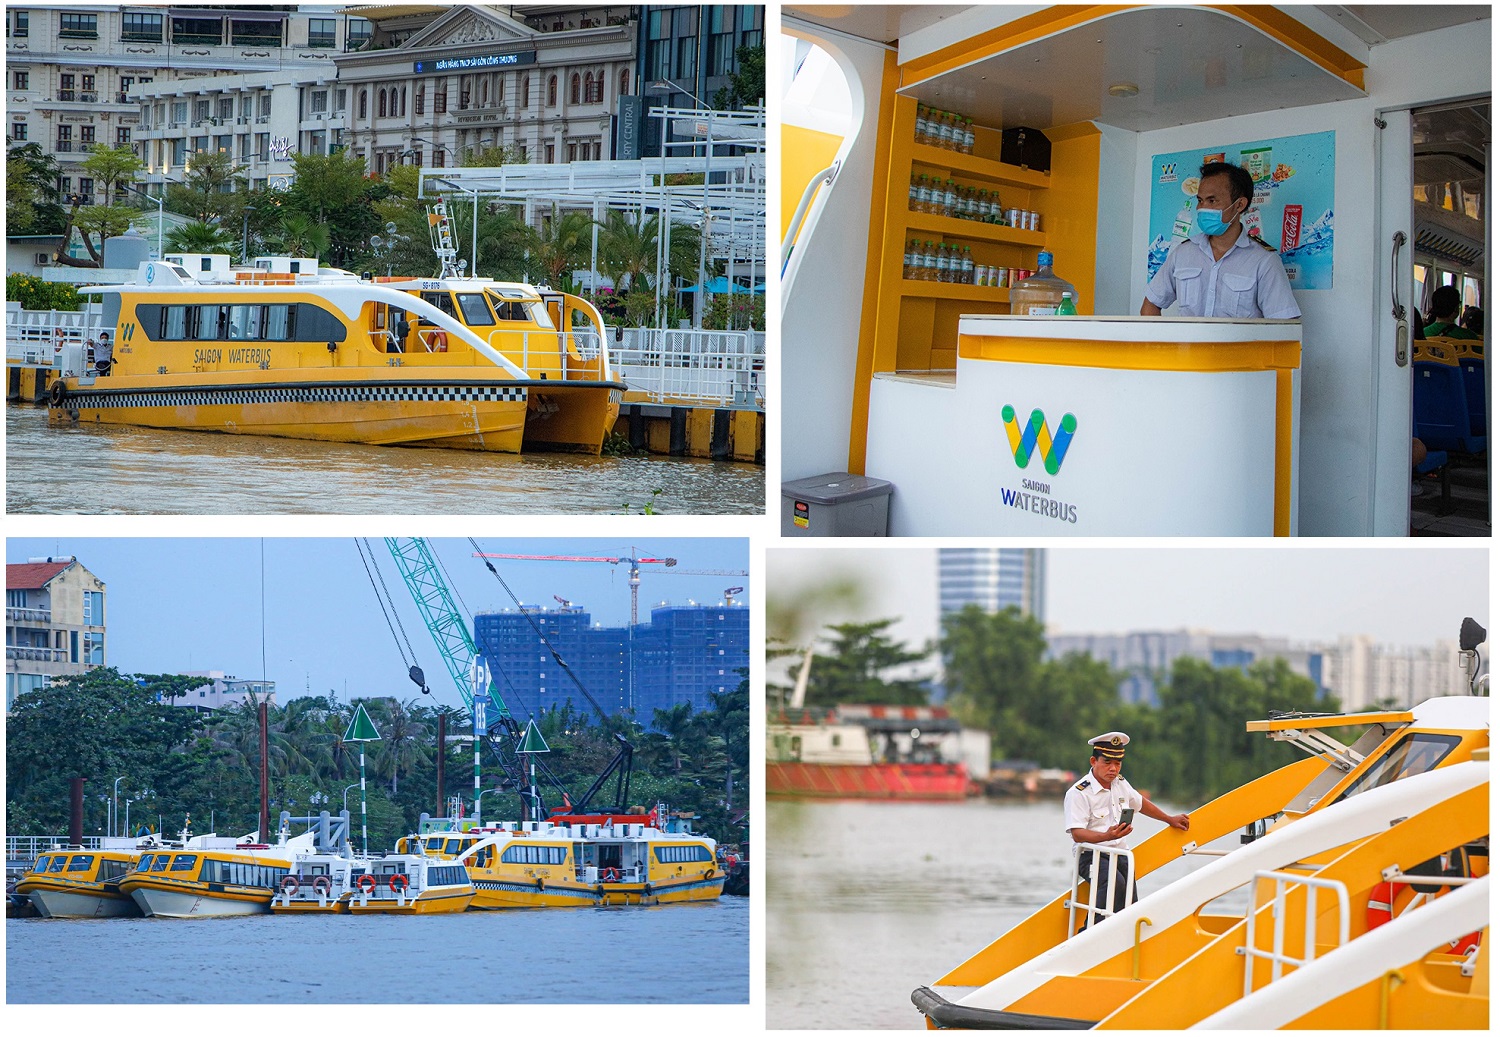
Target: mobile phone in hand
{"type": "Point", "coordinates": [1127, 815]}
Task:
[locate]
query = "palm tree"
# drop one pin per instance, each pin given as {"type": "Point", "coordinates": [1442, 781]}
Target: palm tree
{"type": "Point", "coordinates": [199, 237]}
{"type": "Point", "coordinates": [627, 249]}
{"type": "Point", "coordinates": [563, 244]}
{"type": "Point", "coordinates": [404, 738]}
{"type": "Point", "coordinates": [301, 235]}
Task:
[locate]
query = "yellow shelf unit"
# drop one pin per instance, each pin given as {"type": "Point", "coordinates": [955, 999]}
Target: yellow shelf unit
{"type": "Point", "coordinates": [916, 324]}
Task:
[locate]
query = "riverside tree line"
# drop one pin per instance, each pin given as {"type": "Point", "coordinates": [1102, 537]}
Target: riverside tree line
{"type": "Point", "coordinates": [1190, 748]}
{"type": "Point", "coordinates": [177, 762]}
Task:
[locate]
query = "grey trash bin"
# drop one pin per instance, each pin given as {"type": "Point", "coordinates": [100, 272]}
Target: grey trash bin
{"type": "Point", "coordinates": [835, 505]}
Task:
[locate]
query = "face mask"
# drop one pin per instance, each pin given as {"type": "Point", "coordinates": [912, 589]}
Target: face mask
{"type": "Point", "coordinates": [1211, 221]}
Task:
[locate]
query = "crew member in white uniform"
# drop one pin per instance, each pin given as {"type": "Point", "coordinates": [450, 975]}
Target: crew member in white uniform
{"type": "Point", "coordinates": [1091, 812]}
{"type": "Point", "coordinates": [1221, 270]}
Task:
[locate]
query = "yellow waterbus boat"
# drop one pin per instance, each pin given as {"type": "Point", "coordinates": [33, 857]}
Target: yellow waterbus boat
{"type": "Point", "coordinates": [211, 876]}
{"type": "Point", "coordinates": [1396, 824]}
{"type": "Point", "coordinates": [289, 349]}
{"type": "Point", "coordinates": [74, 882]}
{"type": "Point", "coordinates": [580, 861]}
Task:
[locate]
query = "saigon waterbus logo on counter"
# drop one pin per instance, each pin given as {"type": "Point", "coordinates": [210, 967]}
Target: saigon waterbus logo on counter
{"type": "Point", "coordinates": [1036, 437]}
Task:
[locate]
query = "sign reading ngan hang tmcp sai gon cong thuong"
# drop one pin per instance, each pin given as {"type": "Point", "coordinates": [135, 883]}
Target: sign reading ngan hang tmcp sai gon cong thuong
{"type": "Point", "coordinates": [1292, 208]}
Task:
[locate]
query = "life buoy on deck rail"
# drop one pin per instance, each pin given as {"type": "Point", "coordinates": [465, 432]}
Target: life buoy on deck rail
{"type": "Point", "coordinates": [366, 884]}
{"type": "Point", "coordinates": [1381, 908]}
{"type": "Point", "coordinates": [399, 883]}
{"type": "Point", "coordinates": [290, 885]}
{"type": "Point", "coordinates": [440, 341]}
{"type": "Point", "coordinates": [322, 886]}
{"type": "Point", "coordinates": [610, 874]}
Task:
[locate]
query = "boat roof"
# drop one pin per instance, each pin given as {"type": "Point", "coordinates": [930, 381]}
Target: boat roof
{"type": "Point", "coordinates": [1452, 712]}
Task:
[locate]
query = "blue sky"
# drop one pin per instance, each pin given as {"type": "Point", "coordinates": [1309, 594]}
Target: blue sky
{"type": "Point", "coordinates": [177, 604]}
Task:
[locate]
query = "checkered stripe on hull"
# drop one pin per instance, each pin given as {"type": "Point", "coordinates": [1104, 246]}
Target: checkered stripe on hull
{"type": "Point", "coordinates": [244, 395]}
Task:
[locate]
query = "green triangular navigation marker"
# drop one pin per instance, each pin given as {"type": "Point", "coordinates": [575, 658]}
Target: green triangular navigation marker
{"type": "Point", "coordinates": [361, 728]}
{"type": "Point", "coordinates": [532, 741]}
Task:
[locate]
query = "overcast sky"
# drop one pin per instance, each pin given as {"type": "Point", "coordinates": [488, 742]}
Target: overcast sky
{"type": "Point", "coordinates": [195, 604]}
{"type": "Point", "coordinates": [1396, 594]}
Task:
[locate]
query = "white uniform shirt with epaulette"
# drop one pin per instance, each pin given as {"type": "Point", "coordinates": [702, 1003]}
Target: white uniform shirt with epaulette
{"type": "Point", "coordinates": [1089, 805]}
{"type": "Point", "coordinates": [1249, 281]}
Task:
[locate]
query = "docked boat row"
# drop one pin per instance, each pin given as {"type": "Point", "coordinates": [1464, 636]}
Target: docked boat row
{"type": "Point", "coordinates": [1362, 875]}
{"type": "Point", "coordinates": [452, 865]}
{"type": "Point", "coordinates": [287, 348]}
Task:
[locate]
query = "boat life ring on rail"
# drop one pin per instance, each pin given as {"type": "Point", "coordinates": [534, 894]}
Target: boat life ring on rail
{"type": "Point", "coordinates": [610, 874]}
{"type": "Point", "coordinates": [439, 341]}
{"type": "Point", "coordinates": [322, 886]}
{"type": "Point", "coordinates": [366, 884]}
{"type": "Point", "coordinates": [1381, 908]}
{"type": "Point", "coordinates": [290, 885]}
{"type": "Point", "coordinates": [399, 883]}
{"type": "Point", "coordinates": [56, 392]}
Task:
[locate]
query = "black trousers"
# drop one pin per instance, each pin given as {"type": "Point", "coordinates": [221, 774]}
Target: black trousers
{"type": "Point", "coordinates": [1100, 894]}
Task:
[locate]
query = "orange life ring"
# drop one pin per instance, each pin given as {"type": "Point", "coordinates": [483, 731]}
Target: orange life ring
{"type": "Point", "coordinates": [1464, 945]}
{"type": "Point", "coordinates": [399, 883]}
{"type": "Point", "coordinates": [322, 886]}
{"type": "Point", "coordinates": [610, 874]}
{"type": "Point", "coordinates": [440, 341]}
{"type": "Point", "coordinates": [1381, 907]}
{"type": "Point", "coordinates": [290, 885]}
{"type": "Point", "coordinates": [366, 884]}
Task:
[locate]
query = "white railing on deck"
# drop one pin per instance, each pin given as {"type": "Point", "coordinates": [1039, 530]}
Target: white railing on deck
{"type": "Point", "coordinates": [721, 368]}
{"type": "Point", "coordinates": [49, 338]}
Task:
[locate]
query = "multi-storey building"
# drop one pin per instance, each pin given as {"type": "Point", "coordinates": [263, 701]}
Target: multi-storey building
{"type": "Point", "coordinates": [54, 623]}
{"type": "Point", "coordinates": [688, 54]}
{"type": "Point", "coordinates": [73, 71]}
{"type": "Point", "coordinates": [438, 82]}
{"type": "Point", "coordinates": [224, 689]}
{"type": "Point", "coordinates": [993, 578]}
{"type": "Point", "coordinates": [1145, 658]}
{"type": "Point", "coordinates": [684, 654]}
{"type": "Point", "coordinates": [1364, 674]}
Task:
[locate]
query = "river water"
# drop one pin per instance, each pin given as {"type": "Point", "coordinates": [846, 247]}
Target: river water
{"type": "Point", "coordinates": [695, 954]}
{"type": "Point", "coordinates": [865, 902]}
{"type": "Point", "coordinates": [119, 469]}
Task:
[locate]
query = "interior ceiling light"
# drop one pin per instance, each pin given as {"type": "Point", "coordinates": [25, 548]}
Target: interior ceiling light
{"type": "Point", "coordinates": [1124, 90]}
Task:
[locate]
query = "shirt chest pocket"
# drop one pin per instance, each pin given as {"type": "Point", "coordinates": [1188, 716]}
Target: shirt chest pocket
{"type": "Point", "coordinates": [1189, 285]}
{"type": "Point", "coordinates": [1237, 296]}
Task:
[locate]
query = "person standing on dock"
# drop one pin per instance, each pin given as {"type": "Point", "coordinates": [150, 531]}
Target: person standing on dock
{"type": "Point", "coordinates": [1222, 270]}
{"type": "Point", "coordinates": [1092, 809]}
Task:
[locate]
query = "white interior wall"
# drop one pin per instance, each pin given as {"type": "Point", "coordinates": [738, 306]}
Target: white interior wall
{"type": "Point", "coordinates": [1339, 329]}
{"type": "Point", "coordinates": [823, 288]}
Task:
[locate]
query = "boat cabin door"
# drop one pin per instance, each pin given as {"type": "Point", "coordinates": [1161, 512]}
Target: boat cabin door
{"type": "Point", "coordinates": [609, 855]}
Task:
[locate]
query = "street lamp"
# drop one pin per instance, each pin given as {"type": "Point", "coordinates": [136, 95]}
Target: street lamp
{"type": "Point", "coordinates": [479, 798]}
{"type": "Point", "coordinates": [134, 799]}
{"type": "Point", "coordinates": [346, 795]}
{"type": "Point", "coordinates": [473, 244]}
{"type": "Point", "coordinates": [667, 84]}
{"type": "Point", "coordinates": [160, 210]}
{"type": "Point", "coordinates": [114, 798]}
{"type": "Point", "coordinates": [245, 210]}
{"type": "Point", "coordinates": [435, 145]}
{"type": "Point", "coordinates": [387, 245]}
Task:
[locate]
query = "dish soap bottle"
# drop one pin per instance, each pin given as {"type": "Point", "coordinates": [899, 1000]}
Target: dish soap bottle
{"type": "Point", "coordinates": [1042, 293]}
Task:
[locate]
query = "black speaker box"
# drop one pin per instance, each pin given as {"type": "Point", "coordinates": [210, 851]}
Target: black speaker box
{"type": "Point", "coordinates": [1023, 146]}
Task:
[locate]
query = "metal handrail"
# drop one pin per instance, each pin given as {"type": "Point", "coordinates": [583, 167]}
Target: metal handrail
{"type": "Point", "coordinates": [826, 176]}
{"type": "Point", "coordinates": [1277, 955]}
{"type": "Point", "coordinates": [1101, 855]}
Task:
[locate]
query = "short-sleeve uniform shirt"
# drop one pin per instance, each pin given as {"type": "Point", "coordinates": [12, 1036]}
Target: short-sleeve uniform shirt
{"type": "Point", "coordinates": [1248, 282]}
{"type": "Point", "coordinates": [1090, 805]}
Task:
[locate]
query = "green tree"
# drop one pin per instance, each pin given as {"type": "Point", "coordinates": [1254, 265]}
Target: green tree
{"type": "Point", "coordinates": [105, 221]}
{"type": "Point", "coordinates": [494, 155]}
{"type": "Point", "coordinates": [728, 312]}
{"type": "Point", "coordinates": [208, 190]}
{"type": "Point", "coordinates": [111, 167]}
{"type": "Point", "coordinates": [747, 85]}
{"type": "Point", "coordinates": [993, 660]}
{"type": "Point", "coordinates": [858, 667]}
{"type": "Point", "coordinates": [33, 202]}
{"type": "Point", "coordinates": [35, 294]}
{"type": "Point", "coordinates": [300, 235]}
{"type": "Point", "coordinates": [200, 237]}
{"type": "Point", "coordinates": [562, 246]}
{"type": "Point", "coordinates": [627, 249]}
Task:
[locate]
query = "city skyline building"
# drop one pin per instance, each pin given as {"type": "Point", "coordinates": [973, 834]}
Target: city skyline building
{"type": "Point", "coordinates": [994, 578]}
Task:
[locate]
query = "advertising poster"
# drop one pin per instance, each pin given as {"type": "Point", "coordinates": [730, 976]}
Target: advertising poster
{"type": "Point", "coordinates": [1292, 208]}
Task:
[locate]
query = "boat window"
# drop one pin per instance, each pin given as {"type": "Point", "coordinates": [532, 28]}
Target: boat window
{"type": "Point", "coordinates": [448, 875]}
{"type": "Point", "coordinates": [113, 869]}
{"type": "Point", "coordinates": [144, 864]}
{"type": "Point", "coordinates": [540, 314]}
{"type": "Point", "coordinates": [212, 322]}
{"type": "Point", "coordinates": [483, 856]}
{"type": "Point", "coordinates": [1414, 754]}
{"type": "Point", "coordinates": [454, 847]}
{"type": "Point", "coordinates": [442, 300]}
{"type": "Point", "coordinates": [529, 854]}
{"type": "Point", "coordinates": [161, 862]}
{"type": "Point", "coordinates": [184, 861]}
{"type": "Point", "coordinates": [476, 311]}
{"type": "Point", "coordinates": [278, 323]}
{"type": "Point", "coordinates": [58, 863]}
{"type": "Point", "coordinates": [682, 854]}
{"type": "Point", "coordinates": [435, 845]}
{"type": "Point", "coordinates": [244, 322]}
{"type": "Point", "coordinates": [81, 862]}
{"type": "Point", "coordinates": [175, 325]}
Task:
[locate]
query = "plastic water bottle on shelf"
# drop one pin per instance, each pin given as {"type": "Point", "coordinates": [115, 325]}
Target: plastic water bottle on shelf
{"type": "Point", "coordinates": [1066, 307]}
{"type": "Point", "coordinates": [966, 269]}
{"type": "Point", "coordinates": [1041, 293]}
{"type": "Point", "coordinates": [968, 145]}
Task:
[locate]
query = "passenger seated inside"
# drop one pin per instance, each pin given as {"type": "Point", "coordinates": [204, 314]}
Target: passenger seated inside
{"type": "Point", "coordinates": [1473, 320]}
{"type": "Point", "coordinates": [1446, 302]}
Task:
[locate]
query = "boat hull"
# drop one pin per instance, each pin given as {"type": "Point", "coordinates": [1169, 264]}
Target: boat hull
{"type": "Point", "coordinates": [573, 419]}
{"type": "Point", "coordinates": [455, 411]}
{"type": "Point", "coordinates": [916, 781]}
{"type": "Point", "coordinates": [427, 903]}
{"type": "Point", "coordinates": [79, 903]}
{"type": "Point", "coordinates": [311, 906]}
{"type": "Point", "coordinates": [492, 895]}
{"type": "Point", "coordinates": [171, 903]}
